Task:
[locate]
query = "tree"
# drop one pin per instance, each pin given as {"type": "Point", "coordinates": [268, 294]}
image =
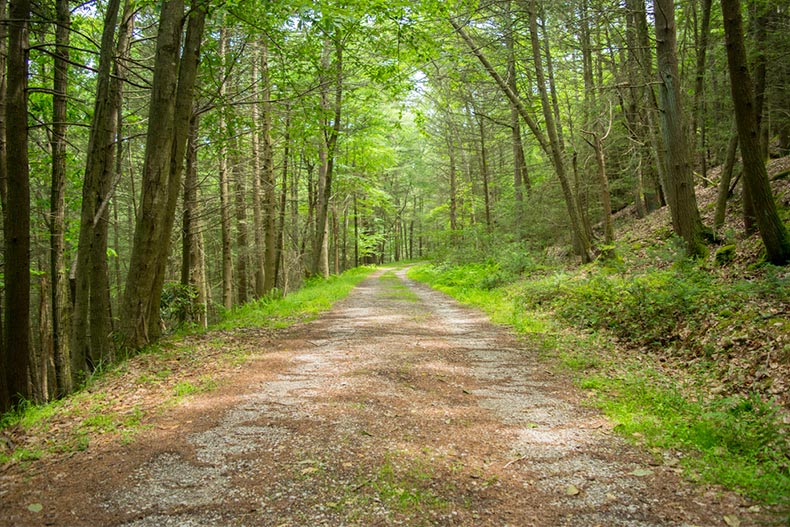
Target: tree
{"type": "Point", "coordinates": [755, 177]}
{"type": "Point", "coordinates": [92, 323]}
{"type": "Point", "coordinates": [679, 185]}
{"type": "Point", "coordinates": [17, 210]}
{"type": "Point", "coordinates": [60, 299]}
{"type": "Point", "coordinates": [549, 145]}
{"type": "Point", "coordinates": [171, 103]}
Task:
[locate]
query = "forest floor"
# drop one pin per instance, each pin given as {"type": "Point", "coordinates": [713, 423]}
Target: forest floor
{"type": "Point", "coordinates": [397, 407]}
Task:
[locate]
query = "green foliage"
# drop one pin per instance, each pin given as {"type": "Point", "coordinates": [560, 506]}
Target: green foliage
{"type": "Point", "coordinates": [178, 306]}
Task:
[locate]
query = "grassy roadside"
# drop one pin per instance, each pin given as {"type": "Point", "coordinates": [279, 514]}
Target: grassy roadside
{"type": "Point", "coordinates": [119, 402]}
{"type": "Point", "coordinates": [660, 350]}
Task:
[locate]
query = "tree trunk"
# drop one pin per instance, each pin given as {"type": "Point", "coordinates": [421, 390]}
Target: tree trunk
{"type": "Point", "coordinates": [184, 102]}
{"type": "Point", "coordinates": [484, 172]}
{"type": "Point", "coordinates": [224, 194]}
{"type": "Point", "coordinates": [453, 183]}
{"type": "Point", "coordinates": [171, 103]}
{"type": "Point", "coordinates": [242, 251]}
{"type": "Point", "coordinates": [327, 154]}
{"type": "Point", "coordinates": [279, 260]}
{"type": "Point", "coordinates": [3, 150]}
{"type": "Point", "coordinates": [679, 186]}
{"type": "Point", "coordinates": [91, 322]}
{"type": "Point", "coordinates": [268, 179]}
{"type": "Point", "coordinates": [521, 180]}
{"type": "Point", "coordinates": [698, 111]}
{"type": "Point", "coordinates": [257, 194]}
{"type": "Point", "coordinates": [554, 141]}
{"type": "Point", "coordinates": [60, 302]}
{"type": "Point", "coordinates": [755, 177]}
{"type": "Point", "coordinates": [724, 183]}
{"type": "Point", "coordinates": [17, 211]}
{"type": "Point", "coordinates": [192, 271]}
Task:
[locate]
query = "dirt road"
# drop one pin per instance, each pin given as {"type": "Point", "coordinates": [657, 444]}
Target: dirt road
{"type": "Point", "coordinates": [398, 407]}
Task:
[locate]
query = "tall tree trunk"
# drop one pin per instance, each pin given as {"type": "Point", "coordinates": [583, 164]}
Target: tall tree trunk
{"type": "Point", "coordinates": [484, 172]}
{"type": "Point", "coordinates": [91, 324]}
{"type": "Point", "coordinates": [3, 150]}
{"type": "Point", "coordinates": [679, 186]}
{"type": "Point", "coordinates": [224, 193]}
{"type": "Point", "coordinates": [724, 183]}
{"type": "Point", "coordinates": [239, 178]}
{"type": "Point", "coordinates": [521, 180]}
{"type": "Point", "coordinates": [755, 177]}
{"type": "Point", "coordinates": [184, 102]}
{"type": "Point", "coordinates": [171, 103]}
{"type": "Point", "coordinates": [17, 211]}
{"type": "Point", "coordinates": [698, 111]}
{"type": "Point", "coordinates": [257, 194]}
{"type": "Point", "coordinates": [268, 179]}
{"type": "Point", "coordinates": [554, 140]}
{"type": "Point", "coordinates": [192, 270]}
{"type": "Point", "coordinates": [327, 153]}
{"type": "Point", "coordinates": [453, 182]}
{"type": "Point", "coordinates": [280, 253]}
{"type": "Point", "coordinates": [60, 303]}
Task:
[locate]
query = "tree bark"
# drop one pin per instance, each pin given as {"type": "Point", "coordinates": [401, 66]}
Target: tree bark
{"type": "Point", "coordinates": [327, 153]}
{"type": "Point", "coordinates": [184, 102]}
{"type": "Point", "coordinates": [257, 194]}
{"type": "Point", "coordinates": [91, 323]}
{"type": "Point", "coordinates": [279, 261]}
{"type": "Point", "coordinates": [679, 186]}
{"type": "Point", "coordinates": [521, 180]}
{"type": "Point", "coordinates": [242, 251]}
{"type": "Point", "coordinates": [268, 179]}
{"type": "Point", "coordinates": [698, 111]}
{"type": "Point", "coordinates": [17, 211]}
{"type": "Point", "coordinates": [60, 303]}
{"type": "Point", "coordinates": [3, 78]}
{"type": "Point", "coordinates": [724, 183]}
{"type": "Point", "coordinates": [192, 269]}
{"type": "Point", "coordinates": [224, 193]}
{"type": "Point", "coordinates": [755, 177]}
{"type": "Point", "coordinates": [171, 104]}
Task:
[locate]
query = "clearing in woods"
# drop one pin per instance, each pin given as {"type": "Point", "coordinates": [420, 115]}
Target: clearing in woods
{"type": "Point", "coordinates": [397, 407]}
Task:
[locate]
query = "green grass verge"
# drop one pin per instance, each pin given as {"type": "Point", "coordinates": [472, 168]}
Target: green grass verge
{"type": "Point", "coordinates": [317, 295]}
{"type": "Point", "coordinates": [738, 441]}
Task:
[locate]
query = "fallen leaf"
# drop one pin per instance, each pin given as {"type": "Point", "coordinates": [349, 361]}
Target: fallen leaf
{"type": "Point", "coordinates": [641, 472]}
{"type": "Point", "coordinates": [571, 490]}
{"type": "Point", "coordinates": [309, 470]}
{"type": "Point", "coordinates": [732, 521]}
{"type": "Point", "coordinates": [35, 507]}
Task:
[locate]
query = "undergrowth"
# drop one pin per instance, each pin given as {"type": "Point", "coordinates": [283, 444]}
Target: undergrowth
{"type": "Point", "coordinates": [652, 347]}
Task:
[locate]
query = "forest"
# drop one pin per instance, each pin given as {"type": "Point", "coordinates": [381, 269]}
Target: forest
{"type": "Point", "coordinates": [162, 163]}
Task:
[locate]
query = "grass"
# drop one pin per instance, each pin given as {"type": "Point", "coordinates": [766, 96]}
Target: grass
{"type": "Point", "coordinates": [404, 484]}
{"type": "Point", "coordinates": [396, 289]}
{"type": "Point", "coordinates": [98, 409]}
{"type": "Point", "coordinates": [735, 438]}
{"type": "Point", "coordinates": [317, 296]}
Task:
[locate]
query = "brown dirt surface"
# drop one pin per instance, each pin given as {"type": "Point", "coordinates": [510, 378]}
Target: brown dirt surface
{"type": "Point", "coordinates": [398, 407]}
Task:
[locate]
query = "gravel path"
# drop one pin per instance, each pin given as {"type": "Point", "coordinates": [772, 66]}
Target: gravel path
{"type": "Point", "coordinates": [398, 407]}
